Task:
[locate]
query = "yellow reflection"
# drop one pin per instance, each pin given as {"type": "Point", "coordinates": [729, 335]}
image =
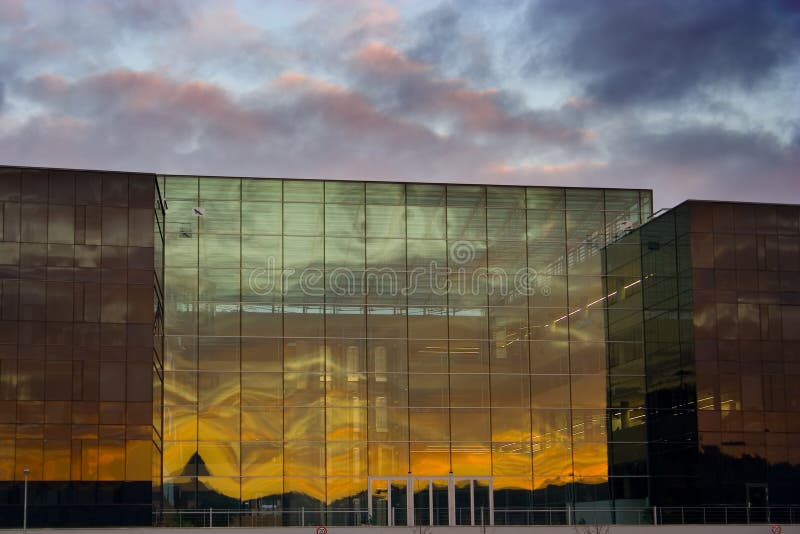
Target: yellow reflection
{"type": "Point", "coordinates": [111, 461]}
{"type": "Point", "coordinates": [180, 388]}
{"type": "Point", "coordinates": [346, 424]}
{"type": "Point", "coordinates": [220, 459]}
{"type": "Point", "coordinates": [589, 391]}
{"type": "Point", "coordinates": [177, 456]}
{"type": "Point", "coordinates": [262, 459]}
{"type": "Point", "coordinates": [511, 425]}
{"type": "Point", "coordinates": [500, 483]}
{"type": "Point", "coordinates": [180, 423]}
{"type": "Point", "coordinates": [138, 460]}
{"type": "Point", "coordinates": [591, 459]}
{"type": "Point", "coordinates": [346, 459]}
{"type": "Point", "coordinates": [429, 424]}
{"type": "Point", "coordinates": [89, 453]}
{"type": "Point", "coordinates": [471, 459]}
{"type": "Point", "coordinates": [7, 459]}
{"type": "Point", "coordinates": [340, 488]}
{"type": "Point", "coordinates": [262, 424]}
{"type": "Point", "coordinates": [262, 389]}
{"type": "Point", "coordinates": [511, 459]}
{"type": "Point", "coordinates": [388, 458]}
{"type": "Point", "coordinates": [469, 424]}
{"type": "Point", "coordinates": [218, 389]}
{"type": "Point", "coordinates": [218, 424]}
{"type": "Point", "coordinates": [312, 487]}
{"type": "Point", "coordinates": [306, 424]}
{"type": "Point", "coordinates": [552, 459]}
{"type": "Point", "coordinates": [57, 455]}
{"type": "Point", "coordinates": [430, 459]}
{"type": "Point", "coordinates": [302, 458]}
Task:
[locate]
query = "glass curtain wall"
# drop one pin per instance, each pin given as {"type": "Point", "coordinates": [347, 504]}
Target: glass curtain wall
{"type": "Point", "coordinates": [325, 338]}
{"type": "Point", "coordinates": [652, 379]}
{"type": "Point", "coordinates": [718, 323]}
{"type": "Point", "coordinates": [745, 260]}
{"type": "Point", "coordinates": [76, 346]}
{"type": "Point", "coordinates": [158, 341]}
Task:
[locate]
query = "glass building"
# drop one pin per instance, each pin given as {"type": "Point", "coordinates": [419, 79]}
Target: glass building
{"type": "Point", "coordinates": [721, 339]}
{"type": "Point", "coordinates": [79, 334]}
{"type": "Point", "coordinates": [345, 352]}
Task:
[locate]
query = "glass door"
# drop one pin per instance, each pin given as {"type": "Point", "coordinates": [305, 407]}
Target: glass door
{"type": "Point", "coordinates": [482, 501]}
{"type": "Point", "coordinates": [430, 501]}
{"type": "Point", "coordinates": [472, 497]}
{"type": "Point", "coordinates": [388, 502]}
{"type": "Point", "coordinates": [757, 503]}
{"type": "Point", "coordinates": [463, 499]}
{"type": "Point", "coordinates": [378, 505]}
{"type": "Point", "coordinates": [422, 502]}
{"type": "Point", "coordinates": [399, 508]}
{"type": "Point", "coordinates": [440, 502]}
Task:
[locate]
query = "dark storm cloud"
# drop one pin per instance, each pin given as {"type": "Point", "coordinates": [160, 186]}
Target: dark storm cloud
{"type": "Point", "coordinates": [413, 89]}
{"type": "Point", "coordinates": [711, 143]}
{"type": "Point", "coordinates": [148, 15]}
{"type": "Point", "coordinates": [444, 39]}
{"type": "Point", "coordinates": [635, 51]}
{"type": "Point", "coordinates": [706, 161]}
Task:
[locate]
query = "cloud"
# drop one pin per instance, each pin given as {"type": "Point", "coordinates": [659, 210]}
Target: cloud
{"type": "Point", "coordinates": [631, 52]}
{"type": "Point", "coordinates": [147, 15]}
{"type": "Point", "coordinates": [380, 58]}
{"type": "Point", "coordinates": [297, 125]}
{"type": "Point", "coordinates": [12, 11]}
{"type": "Point", "coordinates": [413, 89]}
{"type": "Point", "coordinates": [525, 172]}
{"type": "Point", "coordinates": [692, 99]}
{"type": "Point", "coordinates": [704, 161]}
{"type": "Point", "coordinates": [692, 144]}
{"type": "Point", "coordinates": [442, 40]}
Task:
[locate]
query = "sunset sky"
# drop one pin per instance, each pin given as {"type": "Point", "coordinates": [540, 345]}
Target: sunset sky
{"type": "Point", "coordinates": [692, 98]}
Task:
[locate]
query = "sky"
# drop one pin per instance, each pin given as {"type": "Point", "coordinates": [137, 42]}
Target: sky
{"type": "Point", "coordinates": [691, 98]}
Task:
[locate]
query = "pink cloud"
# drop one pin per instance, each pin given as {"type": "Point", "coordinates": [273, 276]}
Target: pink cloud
{"type": "Point", "coordinates": [572, 168]}
{"type": "Point", "coordinates": [379, 57]}
{"type": "Point", "coordinates": [12, 10]}
{"type": "Point", "coordinates": [416, 90]}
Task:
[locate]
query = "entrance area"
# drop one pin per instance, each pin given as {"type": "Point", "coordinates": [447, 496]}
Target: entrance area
{"type": "Point", "coordinates": [430, 501]}
{"type": "Point", "coordinates": [757, 503]}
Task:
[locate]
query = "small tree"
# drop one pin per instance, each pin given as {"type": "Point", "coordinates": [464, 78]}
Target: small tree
{"type": "Point", "coordinates": [594, 528]}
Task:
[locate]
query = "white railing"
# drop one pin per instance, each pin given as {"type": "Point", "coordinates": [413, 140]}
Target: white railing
{"type": "Point", "coordinates": [672, 515]}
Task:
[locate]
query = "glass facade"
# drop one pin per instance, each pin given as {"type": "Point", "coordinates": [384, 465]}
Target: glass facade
{"type": "Point", "coordinates": [719, 317]}
{"type": "Point", "coordinates": [77, 346]}
{"type": "Point", "coordinates": [328, 344]}
{"type": "Point", "coordinates": [650, 321]}
{"type": "Point", "coordinates": [343, 353]}
{"type": "Point", "coordinates": [746, 324]}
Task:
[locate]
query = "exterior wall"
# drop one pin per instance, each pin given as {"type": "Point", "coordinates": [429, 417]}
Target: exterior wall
{"type": "Point", "coordinates": [746, 287]}
{"type": "Point", "coordinates": [76, 346]}
{"type": "Point", "coordinates": [650, 310]}
{"type": "Point", "coordinates": [329, 350]}
{"type": "Point", "coordinates": [297, 372]}
{"type": "Point", "coordinates": [720, 321]}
